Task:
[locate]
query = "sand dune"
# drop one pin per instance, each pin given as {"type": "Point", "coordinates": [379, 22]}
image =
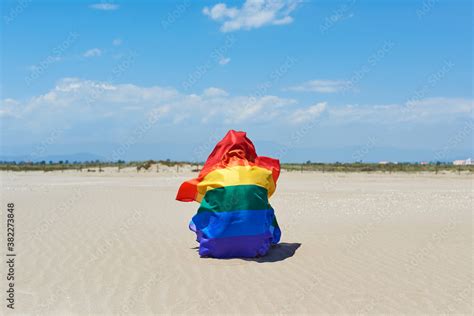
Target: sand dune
{"type": "Point", "coordinates": [118, 243]}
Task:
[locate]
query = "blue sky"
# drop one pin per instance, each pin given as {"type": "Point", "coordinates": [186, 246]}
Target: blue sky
{"type": "Point", "coordinates": [318, 80]}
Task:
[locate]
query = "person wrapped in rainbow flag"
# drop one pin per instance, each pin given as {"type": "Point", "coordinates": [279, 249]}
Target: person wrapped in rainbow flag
{"type": "Point", "coordinates": [235, 218]}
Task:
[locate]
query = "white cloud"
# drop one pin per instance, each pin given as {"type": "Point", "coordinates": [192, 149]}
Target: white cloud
{"type": "Point", "coordinates": [322, 86]}
{"type": "Point", "coordinates": [9, 108]}
{"type": "Point", "coordinates": [104, 6]}
{"type": "Point", "coordinates": [117, 42]}
{"type": "Point", "coordinates": [93, 52]}
{"type": "Point", "coordinates": [423, 110]}
{"type": "Point", "coordinates": [215, 92]}
{"type": "Point", "coordinates": [253, 14]}
{"type": "Point", "coordinates": [453, 105]}
{"type": "Point", "coordinates": [86, 99]}
{"type": "Point", "coordinates": [308, 114]}
{"type": "Point", "coordinates": [75, 101]}
{"type": "Point", "coordinates": [262, 108]}
{"type": "Point", "coordinates": [220, 11]}
{"type": "Point", "coordinates": [224, 61]}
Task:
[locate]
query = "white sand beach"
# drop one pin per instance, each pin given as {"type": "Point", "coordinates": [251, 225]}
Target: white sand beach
{"type": "Point", "coordinates": [118, 243]}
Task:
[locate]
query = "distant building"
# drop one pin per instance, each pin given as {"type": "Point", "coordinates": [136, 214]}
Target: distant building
{"type": "Point", "coordinates": [423, 163]}
{"type": "Point", "coordinates": [462, 162]}
{"type": "Point", "coordinates": [384, 162]}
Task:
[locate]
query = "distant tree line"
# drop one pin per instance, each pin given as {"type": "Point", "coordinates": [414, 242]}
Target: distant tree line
{"type": "Point", "coordinates": [435, 166]}
{"type": "Point", "coordinates": [87, 165]}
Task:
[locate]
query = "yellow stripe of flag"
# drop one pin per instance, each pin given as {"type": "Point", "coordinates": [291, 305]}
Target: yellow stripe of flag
{"type": "Point", "coordinates": [236, 175]}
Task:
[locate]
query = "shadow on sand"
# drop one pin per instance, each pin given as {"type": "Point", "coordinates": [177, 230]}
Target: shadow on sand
{"type": "Point", "coordinates": [276, 253]}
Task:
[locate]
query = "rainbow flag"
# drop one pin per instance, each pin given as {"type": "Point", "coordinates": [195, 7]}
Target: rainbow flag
{"type": "Point", "coordinates": [235, 218]}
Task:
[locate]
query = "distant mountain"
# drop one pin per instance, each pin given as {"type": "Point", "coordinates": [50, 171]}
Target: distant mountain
{"type": "Point", "coordinates": [297, 154]}
{"type": "Point", "coordinates": [80, 157]}
{"type": "Point", "coordinates": [198, 152]}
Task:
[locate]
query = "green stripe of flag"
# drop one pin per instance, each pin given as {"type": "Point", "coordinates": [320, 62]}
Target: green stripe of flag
{"type": "Point", "coordinates": [235, 198]}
